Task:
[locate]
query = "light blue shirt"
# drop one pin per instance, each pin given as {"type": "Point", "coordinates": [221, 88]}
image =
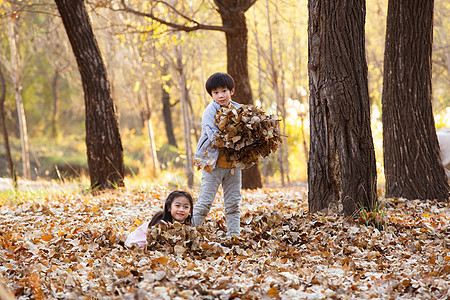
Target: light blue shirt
{"type": "Point", "coordinates": [205, 151]}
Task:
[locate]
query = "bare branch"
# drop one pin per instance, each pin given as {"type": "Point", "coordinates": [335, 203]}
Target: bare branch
{"type": "Point", "coordinates": [196, 26]}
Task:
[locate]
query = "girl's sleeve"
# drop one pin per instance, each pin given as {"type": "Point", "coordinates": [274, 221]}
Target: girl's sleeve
{"type": "Point", "coordinates": [138, 236]}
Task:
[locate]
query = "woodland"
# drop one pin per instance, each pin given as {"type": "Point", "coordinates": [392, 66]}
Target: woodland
{"type": "Point", "coordinates": [101, 105]}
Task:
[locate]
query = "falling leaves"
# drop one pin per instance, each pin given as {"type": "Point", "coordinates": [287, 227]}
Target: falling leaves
{"type": "Point", "coordinates": [63, 248]}
{"type": "Point", "coordinates": [246, 134]}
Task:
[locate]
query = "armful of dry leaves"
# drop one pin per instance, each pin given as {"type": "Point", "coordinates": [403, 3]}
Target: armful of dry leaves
{"type": "Point", "coordinates": [246, 134]}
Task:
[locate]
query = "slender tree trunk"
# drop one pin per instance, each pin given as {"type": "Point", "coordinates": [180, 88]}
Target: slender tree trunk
{"type": "Point", "coordinates": [233, 16]}
{"type": "Point", "coordinates": [258, 53]}
{"type": "Point", "coordinates": [283, 105]}
{"type": "Point", "coordinates": [341, 169]}
{"type": "Point", "coordinates": [104, 145]}
{"type": "Point", "coordinates": [296, 94]}
{"type": "Point", "coordinates": [412, 165]}
{"type": "Point", "coordinates": [150, 132]}
{"type": "Point", "coordinates": [189, 163]}
{"type": "Point", "coordinates": [167, 114]}
{"type": "Point", "coordinates": [5, 130]}
{"type": "Point", "coordinates": [151, 137]}
{"type": "Point", "coordinates": [302, 129]}
{"type": "Point", "coordinates": [282, 99]}
{"type": "Point", "coordinates": [53, 128]}
{"type": "Point", "coordinates": [196, 127]}
{"type": "Point", "coordinates": [16, 74]}
{"type": "Point", "coordinates": [275, 86]}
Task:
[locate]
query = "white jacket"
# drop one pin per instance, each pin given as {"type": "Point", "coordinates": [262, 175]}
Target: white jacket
{"type": "Point", "coordinates": [138, 236]}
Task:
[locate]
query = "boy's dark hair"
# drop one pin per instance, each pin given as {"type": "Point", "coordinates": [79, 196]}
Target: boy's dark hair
{"type": "Point", "coordinates": [165, 215]}
{"type": "Point", "coordinates": [219, 80]}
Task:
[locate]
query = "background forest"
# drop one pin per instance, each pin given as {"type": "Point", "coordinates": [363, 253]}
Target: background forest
{"type": "Point", "coordinates": [148, 64]}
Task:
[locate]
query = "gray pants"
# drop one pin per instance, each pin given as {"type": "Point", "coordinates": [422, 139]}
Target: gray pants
{"type": "Point", "coordinates": [231, 185]}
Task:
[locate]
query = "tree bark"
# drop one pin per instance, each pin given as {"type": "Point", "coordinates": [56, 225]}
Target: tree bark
{"type": "Point", "coordinates": [5, 131]}
{"type": "Point", "coordinates": [104, 145]}
{"type": "Point", "coordinates": [258, 55]}
{"type": "Point", "coordinates": [233, 16]}
{"type": "Point", "coordinates": [146, 110]}
{"type": "Point", "coordinates": [276, 90]}
{"type": "Point", "coordinates": [284, 146]}
{"type": "Point", "coordinates": [189, 163]}
{"type": "Point", "coordinates": [167, 114]}
{"type": "Point", "coordinates": [53, 125]}
{"type": "Point", "coordinates": [412, 165]}
{"type": "Point", "coordinates": [341, 169]}
{"type": "Point", "coordinates": [16, 74]}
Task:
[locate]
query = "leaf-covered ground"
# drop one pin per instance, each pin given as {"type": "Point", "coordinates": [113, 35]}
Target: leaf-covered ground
{"type": "Point", "coordinates": [70, 248]}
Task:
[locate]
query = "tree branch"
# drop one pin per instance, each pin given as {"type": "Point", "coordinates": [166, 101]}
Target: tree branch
{"type": "Point", "coordinates": [196, 26]}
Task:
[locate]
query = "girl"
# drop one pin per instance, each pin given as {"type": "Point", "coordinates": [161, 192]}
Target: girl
{"type": "Point", "coordinates": [178, 207]}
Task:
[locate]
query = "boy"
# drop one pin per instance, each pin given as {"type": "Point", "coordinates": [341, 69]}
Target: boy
{"type": "Point", "coordinates": [220, 87]}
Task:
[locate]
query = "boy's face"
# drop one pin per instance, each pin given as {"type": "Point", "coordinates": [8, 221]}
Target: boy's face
{"type": "Point", "coordinates": [222, 95]}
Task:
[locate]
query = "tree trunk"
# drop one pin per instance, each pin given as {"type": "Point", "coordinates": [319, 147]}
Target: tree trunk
{"type": "Point", "coordinates": [53, 126]}
{"type": "Point", "coordinates": [189, 163]}
{"type": "Point", "coordinates": [233, 16]}
{"type": "Point", "coordinates": [413, 168]}
{"type": "Point", "coordinates": [151, 137]}
{"type": "Point", "coordinates": [282, 99]}
{"type": "Point", "coordinates": [150, 133]}
{"type": "Point", "coordinates": [276, 90]}
{"type": "Point", "coordinates": [104, 145]}
{"type": "Point", "coordinates": [258, 55]}
{"type": "Point", "coordinates": [5, 130]}
{"type": "Point", "coordinates": [302, 116]}
{"type": "Point", "coordinates": [167, 114]}
{"type": "Point", "coordinates": [341, 169]}
{"type": "Point", "coordinates": [16, 74]}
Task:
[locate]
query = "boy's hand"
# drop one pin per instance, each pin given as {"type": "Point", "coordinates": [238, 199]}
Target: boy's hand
{"type": "Point", "coordinates": [207, 165]}
{"type": "Point", "coordinates": [208, 168]}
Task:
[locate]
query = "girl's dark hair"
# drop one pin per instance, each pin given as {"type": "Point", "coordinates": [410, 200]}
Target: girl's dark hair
{"type": "Point", "coordinates": [165, 215]}
{"type": "Point", "coordinates": [219, 80]}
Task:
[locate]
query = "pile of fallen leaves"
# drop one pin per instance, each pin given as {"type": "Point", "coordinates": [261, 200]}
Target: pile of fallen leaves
{"type": "Point", "coordinates": [71, 247]}
{"type": "Point", "coordinates": [246, 134]}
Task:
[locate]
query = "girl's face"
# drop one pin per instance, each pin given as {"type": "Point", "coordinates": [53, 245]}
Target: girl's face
{"type": "Point", "coordinates": [222, 95]}
{"type": "Point", "coordinates": [180, 208]}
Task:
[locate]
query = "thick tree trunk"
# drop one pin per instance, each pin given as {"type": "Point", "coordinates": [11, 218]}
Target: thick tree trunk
{"type": "Point", "coordinates": [16, 75]}
{"type": "Point", "coordinates": [104, 145]}
{"type": "Point", "coordinates": [5, 130]}
{"type": "Point", "coordinates": [341, 169]}
{"type": "Point", "coordinates": [412, 165]}
{"type": "Point", "coordinates": [233, 16]}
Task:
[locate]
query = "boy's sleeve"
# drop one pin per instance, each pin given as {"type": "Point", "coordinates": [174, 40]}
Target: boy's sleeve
{"type": "Point", "coordinates": [208, 123]}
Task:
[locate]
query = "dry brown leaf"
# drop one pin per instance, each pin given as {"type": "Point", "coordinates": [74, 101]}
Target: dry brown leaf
{"type": "Point", "coordinates": [282, 249]}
